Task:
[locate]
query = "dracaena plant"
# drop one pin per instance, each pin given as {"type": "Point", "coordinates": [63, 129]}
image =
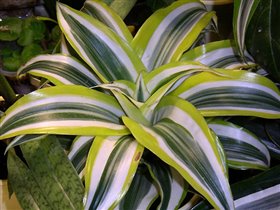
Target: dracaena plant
{"type": "Point", "coordinates": [140, 112]}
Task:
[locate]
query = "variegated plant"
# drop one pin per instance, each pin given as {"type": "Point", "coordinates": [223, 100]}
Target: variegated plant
{"type": "Point", "coordinates": [142, 112]}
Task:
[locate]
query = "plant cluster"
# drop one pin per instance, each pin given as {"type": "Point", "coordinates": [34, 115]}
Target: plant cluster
{"type": "Point", "coordinates": [146, 121]}
{"type": "Point", "coordinates": [24, 38]}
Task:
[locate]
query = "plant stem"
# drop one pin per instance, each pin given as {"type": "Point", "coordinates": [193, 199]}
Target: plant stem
{"type": "Point", "coordinates": [6, 91]}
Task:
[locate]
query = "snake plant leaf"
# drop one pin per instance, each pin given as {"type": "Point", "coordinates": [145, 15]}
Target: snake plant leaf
{"type": "Point", "coordinates": [182, 139]}
{"type": "Point", "coordinates": [71, 110]}
{"type": "Point", "coordinates": [231, 93]}
{"type": "Point", "coordinates": [103, 50]}
{"type": "Point", "coordinates": [262, 37]}
{"type": "Point", "coordinates": [102, 12]}
{"type": "Point", "coordinates": [242, 14]}
{"type": "Point", "coordinates": [79, 151]}
{"type": "Point", "coordinates": [173, 187]}
{"type": "Point", "coordinates": [258, 192]}
{"type": "Point", "coordinates": [111, 165]}
{"type": "Point", "coordinates": [141, 193]}
{"type": "Point", "coordinates": [219, 54]}
{"type": "Point", "coordinates": [170, 31]}
{"type": "Point", "coordinates": [60, 69]}
{"type": "Point", "coordinates": [24, 184]}
{"type": "Point", "coordinates": [243, 149]}
{"type": "Point", "coordinates": [50, 165]}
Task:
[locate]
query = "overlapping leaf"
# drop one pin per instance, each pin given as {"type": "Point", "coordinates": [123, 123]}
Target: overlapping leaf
{"type": "Point", "coordinates": [103, 50]}
{"type": "Point", "coordinates": [243, 149]}
{"type": "Point", "coordinates": [220, 54]}
{"type": "Point", "coordinates": [259, 192]}
{"type": "Point", "coordinates": [79, 151]}
{"type": "Point", "coordinates": [231, 93]}
{"type": "Point", "coordinates": [60, 69]}
{"type": "Point", "coordinates": [169, 32]}
{"type": "Point", "coordinates": [243, 12]}
{"type": "Point", "coordinates": [172, 186]}
{"type": "Point", "coordinates": [71, 110]}
{"type": "Point", "coordinates": [110, 167]}
{"type": "Point", "coordinates": [142, 192]}
{"type": "Point", "coordinates": [181, 138]}
{"type": "Point", "coordinates": [102, 12]}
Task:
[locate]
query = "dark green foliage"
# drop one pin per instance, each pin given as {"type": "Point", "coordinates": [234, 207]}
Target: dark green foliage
{"type": "Point", "coordinates": [263, 37]}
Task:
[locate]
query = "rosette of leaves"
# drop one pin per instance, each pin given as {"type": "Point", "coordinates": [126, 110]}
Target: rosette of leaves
{"type": "Point", "coordinates": [147, 125]}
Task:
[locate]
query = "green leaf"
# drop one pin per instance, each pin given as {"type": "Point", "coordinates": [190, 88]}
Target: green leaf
{"type": "Point", "coordinates": [33, 30]}
{"type": "Point", "coordinates": [262, 37]}
{"type": "Point", "coordinates": [231, 93]}
{"type": "Point", "coordinates": [182, 139]}
{"type": "Point", "coordinates": [122, 7]}
{"type": "Point", "coordinates": [11, 63]}
{"type": "Point", "coordinates": [10, 28]}
{"type": "Point", "coordinates": [102, 12]}
{"type": "Point", "coordinates": [24, 184]}
{"type": "Point", "coordinates": [104, 51]}
{"type": "Point", "coordinates": [54, 173]}
{"type": "Point", "coordinates": [169, 32]}
{"type": "Point", "coordinates": [60, 69]}
{"type": "Point", "coordinates": [219, 54]}
{"type": "Point", "coordinates": [71, 110]}
{"type": "Point", "coordinates": [258, 192]}
{"type": "Point", "coordinates": [111, 165]}
{"type": "Point", "coordinates": [30, 51]}
{"type": "Point", "coordinates": [242, 14]}
{"type": "Point", "coordinates": [243, 149]}
{"type": "Point", "coordinates": [142, 191]}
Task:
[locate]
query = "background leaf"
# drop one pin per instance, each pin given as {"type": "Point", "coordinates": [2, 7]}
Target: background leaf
{"type": "Point", "coordinates": [263, 36]}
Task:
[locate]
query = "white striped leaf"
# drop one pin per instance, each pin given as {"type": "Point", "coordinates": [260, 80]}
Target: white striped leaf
{"type": "Point", "coordinates": [243, 12]}
{"type": "Point", "coordinates": [102, 12]}
{"type": "Point", "coordinates": [111, 165]}
{"type": "Point", "coordinates": [60, 69]}
{"type": "Point", "coordinates": [173, 187]}
{"type": "Point", "coordinates": [231, 93]}
{"type": "Point", "coordinates": [163, 74]}
{"type": "Point", "coordinates": [71, 110]}
{"type": "Point", "coordinates": [170, 31]}
{"type": "Point", "coordinates": [181, 138]}
{"type": "Point", "coordinates": [191, 203]}
{"type": "Point", "coordinates": [103, 50]}
{"type": "Point", "coordinates": [258, 192]}
{"type": "Point", "coordinates": [171, 75]}
{"type": "Point", "coordinates": [219, 54]}
{"type": "Point", "coordinates": [79, 151]}
{"type": "Point", "coordinates": [142, 191]}
{"type": "Point", "coordinates": [243, 149]}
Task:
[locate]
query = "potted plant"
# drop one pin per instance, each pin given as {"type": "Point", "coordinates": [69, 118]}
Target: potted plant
{"type": "Point", "coordinates": [150, 121]}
